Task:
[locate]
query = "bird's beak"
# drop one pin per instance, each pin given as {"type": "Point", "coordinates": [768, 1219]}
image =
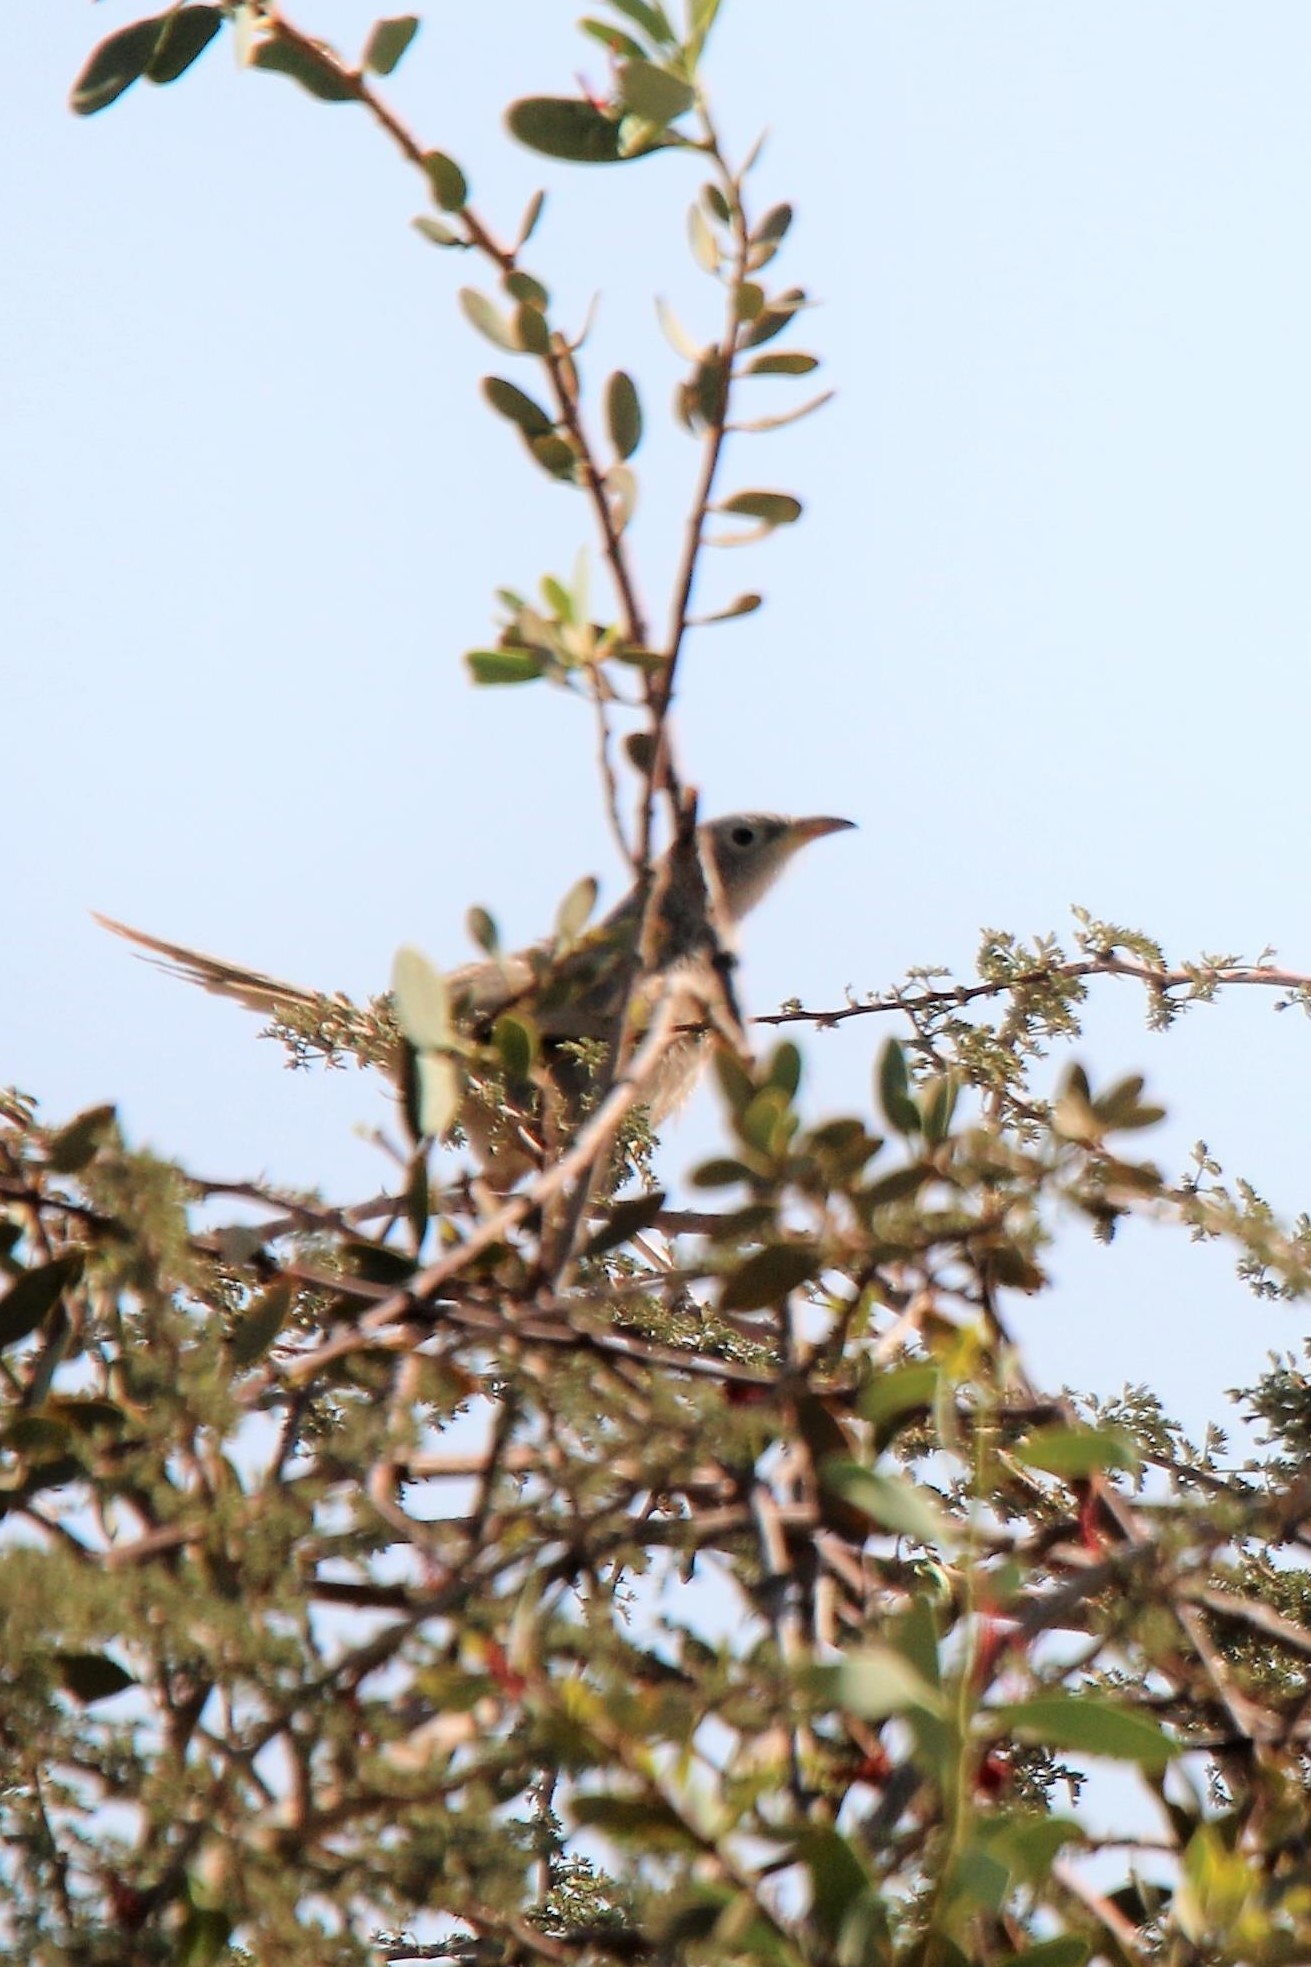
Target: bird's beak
{"type": "Point", "coordinates": [815, 829]}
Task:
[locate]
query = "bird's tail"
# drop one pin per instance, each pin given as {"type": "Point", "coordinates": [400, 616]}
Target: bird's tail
{"type": "Point", "coordinates": [252, 988]}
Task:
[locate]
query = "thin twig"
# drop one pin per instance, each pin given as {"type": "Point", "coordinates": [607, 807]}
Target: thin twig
{"type": "Point", "coordinates": [954, 996]}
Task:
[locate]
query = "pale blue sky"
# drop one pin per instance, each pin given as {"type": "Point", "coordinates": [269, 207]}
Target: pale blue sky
{"type": "Point", "coordinates": [1043, 631]}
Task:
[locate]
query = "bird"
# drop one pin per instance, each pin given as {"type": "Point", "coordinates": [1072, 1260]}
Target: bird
{"type": "Point", "coordinates": [703, 888]}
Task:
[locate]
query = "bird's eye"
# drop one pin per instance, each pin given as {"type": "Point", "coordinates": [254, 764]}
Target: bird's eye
{"type": "Point", "coordinates": [742, 836]}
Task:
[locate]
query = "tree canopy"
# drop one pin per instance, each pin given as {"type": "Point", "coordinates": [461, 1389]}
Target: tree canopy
{"type": "Point", "coordinates": [530, 1564]}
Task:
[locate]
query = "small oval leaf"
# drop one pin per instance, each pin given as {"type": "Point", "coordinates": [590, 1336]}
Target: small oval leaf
{"type": "Point", "coordinates": [899, 1108]}
{"type": "Point", "coordinates": [186, 36]}
{"type": "Point", "coordinates": [573, 912]}
{"type": "Point", "coordinates": [771, 508]}
{"type": "Point", "coordinates": [439, 234]}
{"type": "Point", "coordinates": [513, 403]}
{"type": "Point", "coordinates": [889, 1501]}
{"type": "Point", "coordinates": [626, 1220]}
{"type": "Point", "coordinates": [505, 665]}
{"type": "Point", "coordinates": [30, 1299]}
{"type": "Point", "coordinates": [423, 1001]}
{"type": "Point", "coordinates": [653, 93]}
{"type": "Point", "coordinates": [450, 187]}
{"type": "Point", "coordinates": [92, 1676]}
{"type": "Point", "coordinates": [488, 320]}
{"type": "Point", "coordinates": [115, 65]}
{"type": "Point", "coordinates": [483, 930]}
{"type": "Point", "coordinates": [782, 363]}
{"type": "Point", "coordinates": [440, 1093]}
{"type": "Point", "coordinates": [317, 73]}
{"type": "Point", "coordinates": [623, 412]}
{"type": "Point", "coordinates": [516, 1040]}
{"type": "Point", "coordinates": [769, 1276]}
{"type": "Point", "coordinates": [261, 1322]}
{"type": "Point", "coordinates": [388, 41]}
{"type": "Point", "coordinates": [565, 127]}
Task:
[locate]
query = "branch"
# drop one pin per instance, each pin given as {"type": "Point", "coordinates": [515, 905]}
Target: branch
{"type": "Point", "coordinates": [1199, 978]}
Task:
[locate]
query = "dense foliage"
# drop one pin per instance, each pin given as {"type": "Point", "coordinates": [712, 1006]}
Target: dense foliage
{"type": "Point", "coordinates": [520, 1567]}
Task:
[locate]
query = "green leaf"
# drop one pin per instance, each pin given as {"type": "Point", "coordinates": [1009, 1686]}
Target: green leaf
{"type": "Point", "coordinates": [720, 1173]}
{"type": "Point", "coordinates": [782, 363]}
{"type": "Point", "coordinates": [623, 413]}
{"type": "Point", "coordinates": [92, 1677]}
{"type": "Point", "coordinates": [505, 665]}
{"type": "Point", "coordinates": [653, 93]}
{"type": "Point", "coordinates": [1123, 1107]}
{"type": "Point", "coordinates": [319, 73]}
{"type": "Point", "coordinates": [769, 1276]}
{"type": "Point", "coordinates": [917, 1639]}
{"type": "Point", "coordinates": [531, 328]}
{"type": "Point", "coordinates": [34, 1295]}
{"type": "Point", "coordinates": [483, 931]}
{"type": "Point", "coordinates": [620, 482]}
{"type": "Point", "coordinates": [523, 286]}
{"type": "Point", "coordinates": [655, 1824]}
{"type": "Point", "coordinates": [626, 1220]}
{"type": "Point", "coordinates": [260, 1324]}
{"type": "Point", "coordinates": [613, 38]}
{"type": "Point", "coordinates": [555, 455]}
{"type": "Point", "coordinates": [449, 185]}
{"type": "Point", "coordinates": [1089, 1723]}
{"type": "Point", "coordinates": [487, 318]}
{"type": "Point", "coordinates": [767, 1123]}
{"type": "Point", "coordinates": [439, 234]}
{"type": "Point", "coordinates": [839, 1886]}
{"type": "Point", "coordinates": [517, 1044]}
{"type": "Point", "coordinates": [745, 604]}
{"type": "Point", "coordinates": [387, 43]}
{"type": "Point", "coordinates": [423, 1000]}
{"type": "Point", "coordinates": [565, 127]}
{"type": "Point", "coordinates": [874, 1683]}
{"type": "Point", "coordinates": [676, 334]}
{"type": "Point", "coordinates": [773, 226]}
{"type": "Point", "coordinates": [771, 508]}
{"type": "Point", "coordinates": [784, 1069]}
{"type": "Point", "coordinates": [978, 1879]}
{"type": "Point", "coordinates": [937, 1106]}
{"type": "Point", "coordinates": [204, 1937]}
{"type": "Point", "coordinates": [572, 915]}
{"type": "Point", "coordinates": [517, 406]}
{"type": "Point", "coordinates": [1076, 1451]}
{"type": "Point", "coordinates": [702, 18]}
{"type": "Point", "coordinates": [899, 1108]}
{"type": "Point", "coordinates": [890, 1501]}
{"type": "Point", "coordinates": [77, 1144]}
{"type": "Point", "coordinates": [653, 21]}
{"type": "Point", "coordinates": [528, 223]}
{"type": "Point", "coordinates": [186, 36]}
{"type": "Point", "coordinates": [377, 1264]}
{"type": "Point", "coordinates": [705, 246]}
{"type": "Point", "coordinates": [115, 65]}
{"type": "Point", "coordinates": [774, 317]}
{"type": "Point", "coordinates": [904, 1390]}
{"type": "Point", "coordinates": [440, 1090]}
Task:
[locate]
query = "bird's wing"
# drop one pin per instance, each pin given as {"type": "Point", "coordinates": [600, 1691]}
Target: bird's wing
{"type": "Point", "coordinates": [249, 987]}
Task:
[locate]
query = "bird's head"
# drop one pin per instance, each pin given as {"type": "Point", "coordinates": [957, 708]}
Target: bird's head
{"type": "Point", "coordinates": [748, 852]}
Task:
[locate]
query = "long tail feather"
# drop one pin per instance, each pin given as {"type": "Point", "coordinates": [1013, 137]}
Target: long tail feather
{"type": "Point", "coordinates": [252, 988]}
